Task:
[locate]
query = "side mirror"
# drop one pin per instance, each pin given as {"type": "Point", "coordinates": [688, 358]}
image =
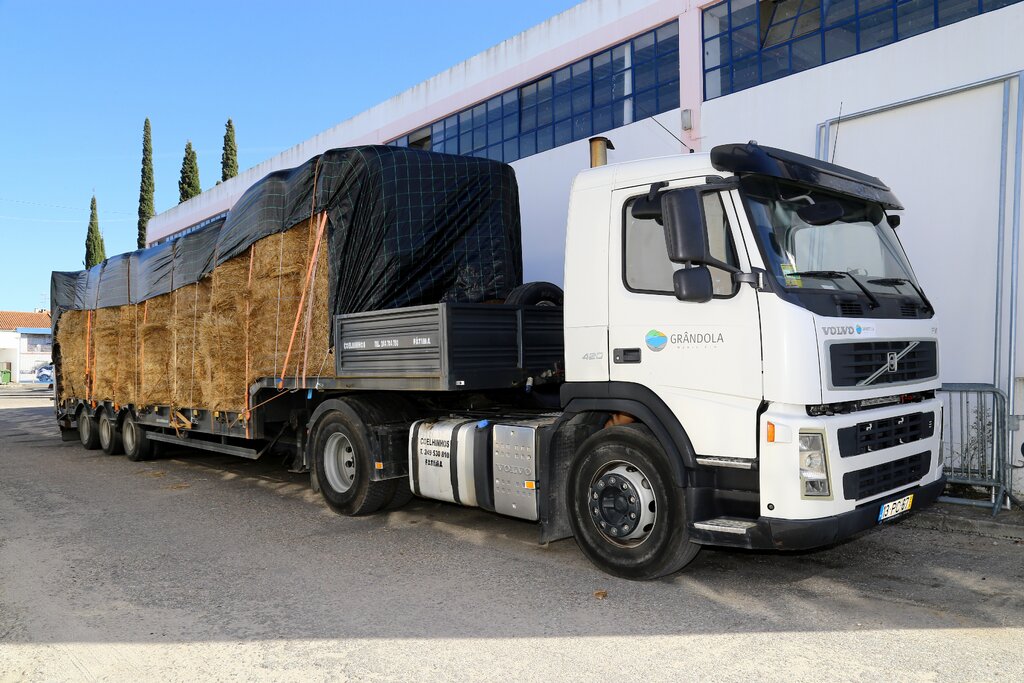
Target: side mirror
{"type": "Point", "coordinates": [893, 220]}
{"type": "Point", "coordinates": [685, 234]}
{"type": "Point", "coordinates": [693, 284]}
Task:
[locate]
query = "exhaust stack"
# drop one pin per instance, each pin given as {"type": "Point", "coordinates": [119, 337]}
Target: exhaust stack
{"type": "Point", "coordinates": [599, 147]}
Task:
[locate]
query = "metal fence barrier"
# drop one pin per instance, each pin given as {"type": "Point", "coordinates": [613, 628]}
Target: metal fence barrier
{"type": "Point", "coordinates": [975, 444]}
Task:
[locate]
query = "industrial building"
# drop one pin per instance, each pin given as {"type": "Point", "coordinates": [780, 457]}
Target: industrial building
{"type": "Point", "coordinates": [926, 94]}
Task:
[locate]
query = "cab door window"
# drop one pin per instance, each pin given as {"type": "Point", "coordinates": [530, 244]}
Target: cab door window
{"type": "Point", "coordinates": [646, 266]}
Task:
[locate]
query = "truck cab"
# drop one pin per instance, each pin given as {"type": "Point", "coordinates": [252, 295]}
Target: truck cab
{"type": "Point", "coordinates": [753, 311]}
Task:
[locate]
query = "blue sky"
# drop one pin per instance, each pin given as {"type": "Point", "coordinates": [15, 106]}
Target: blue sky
{"type": "Point", "coordinates": [77, 80]}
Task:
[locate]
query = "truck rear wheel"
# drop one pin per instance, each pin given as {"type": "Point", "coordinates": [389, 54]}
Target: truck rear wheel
{"type": "Point", "coordinates": [343, 462]}
{"type": "Point", "coordinates": [137, 445]}
{"type": "Point", "coordinates": [110, 437]}
{"type": "Point", "coordinates": [88, 430]}
{"type": "Point", "coordinates": [627, 515]}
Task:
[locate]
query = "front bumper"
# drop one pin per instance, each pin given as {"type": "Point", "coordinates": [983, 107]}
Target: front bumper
{"type": "Point", "coordinates": [802, 534]}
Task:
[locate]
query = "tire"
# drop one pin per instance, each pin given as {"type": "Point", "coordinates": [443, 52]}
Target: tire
{"type": "Point", "coordinates": [402, 496]}
{"type": "Point", "coordinates": [343, 460]}
{"type": "Point", "coordinates": [536, 294]}
{"type": "Point", "coordinates": [88, 431]}
{"type": "Point", "coordinates": [619, 472]}
{"type": "Point", "coordinates": [110, 435]}
{"type": "Point", "coordinates": [137, 445]}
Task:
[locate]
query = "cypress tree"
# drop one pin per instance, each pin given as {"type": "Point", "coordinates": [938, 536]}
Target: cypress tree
{"type": "Point", "coordinates": [229, 157]}
{"type": "Point", "coordinates": [188, 186]}
{"type": "Point", "coordinates": [95, 252]}
{"type": "Point", "coordinates": [147, 186]}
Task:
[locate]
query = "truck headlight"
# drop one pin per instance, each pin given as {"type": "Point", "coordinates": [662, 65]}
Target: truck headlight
{"type": "Point", "coordinates": [813, 468]}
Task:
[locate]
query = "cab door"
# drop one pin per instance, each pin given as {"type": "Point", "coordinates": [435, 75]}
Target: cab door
{"type": "Point", "coordinates": [702, 359]}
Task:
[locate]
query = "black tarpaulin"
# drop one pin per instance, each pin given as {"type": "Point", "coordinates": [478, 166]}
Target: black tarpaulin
{"type": "Point", "coordinates": [113, 283]}
{"type": "Point", "coordinates": [405, 227]}
{"type": "Point", "coordinates": [62, 292]}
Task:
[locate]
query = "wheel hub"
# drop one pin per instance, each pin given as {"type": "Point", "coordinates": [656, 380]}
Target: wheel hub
{"type": "Point", "coordinates": [339, 462]}
{"type": "Point", "coordinates": [622, 504]}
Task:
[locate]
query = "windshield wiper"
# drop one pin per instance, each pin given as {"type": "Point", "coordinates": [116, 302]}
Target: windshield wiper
{"type": "Point", "coordinates": [835, 275]}
{"type": "Point", "coordinates": [893, 281]}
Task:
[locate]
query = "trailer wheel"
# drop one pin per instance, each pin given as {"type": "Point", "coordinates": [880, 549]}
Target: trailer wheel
{"type": "Point", "coordinates": [88, 430]}
{"type": "Point", "coordinates": [343, 461]}
{"type": "Point", "coordinates": [137, 445]}
{"type": "Point", "coordinates": [627, 515]}
{"type": "Point", "coordinates": [110, 437]}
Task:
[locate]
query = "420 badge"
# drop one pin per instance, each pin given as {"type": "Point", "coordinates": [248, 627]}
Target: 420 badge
{"type": "Point", "coordinates": [657, 340]}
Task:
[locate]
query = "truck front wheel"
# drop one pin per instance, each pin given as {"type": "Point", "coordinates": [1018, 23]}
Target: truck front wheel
{"type": "Point", "coordinates": [88, 430]}
{"type": "Point", "coordinates": [343, 461]}
{"type": "Point", "coordinates": [628, 516]}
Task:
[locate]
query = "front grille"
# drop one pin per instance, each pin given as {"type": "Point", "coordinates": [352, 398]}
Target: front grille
{"type": "Point", "coordinates": [853, 364]}
{"type": "Point", "coordinates": [871, 481]}
{"type": "Point", "coordinates": [850, 308]}
{"type": "Point", "coordinates": [885, 433]}
{"type": "Point", "coordinates": [908, 310]}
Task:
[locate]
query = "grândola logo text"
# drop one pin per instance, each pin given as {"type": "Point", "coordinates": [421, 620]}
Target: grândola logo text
{"type": "Point", "coordinates": [656, 340]}
{"type": "Point", "coordinates": [698, 338]}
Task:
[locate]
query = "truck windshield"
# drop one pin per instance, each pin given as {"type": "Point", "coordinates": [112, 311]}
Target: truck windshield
{"type": "Point", "coordinates": [858, 253]}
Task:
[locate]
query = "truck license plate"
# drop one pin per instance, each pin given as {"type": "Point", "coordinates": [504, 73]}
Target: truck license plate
{"type": "Point", "coordinates": [896, 507]}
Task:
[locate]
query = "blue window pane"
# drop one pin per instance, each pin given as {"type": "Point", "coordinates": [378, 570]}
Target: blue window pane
{"type": "Point", "coordinates": [786, 9]}
{"type": "Point", "coordinates": [644, 75]}
{"type": "Point", "coordinates": [563, 107]}
{"type": "Point", "coordinates": [645, 104]}
{"type": "Point", "coordinates": [951, 11]}
{"type": "Point", "coordinates": [582, 126]}
{"type": "Point", "coordinates": [744, 73]}
{"type": "Point", "coordinates": [562, 81]}
{"type": "Point", "coordinates": [601, 65]}
{"type": "Point", "coordinates": [510, 103]}
{"type": "Point", "coordinates": [865, 6]}
{"type": "Point", "coordinates": [876, 30]}
{"type": "Point", "coordinates": [743, 11]}
{"type": "Point", "coordinates": [841, 42]}
{"type": "Point", "coordinates": [745, 41]}
{"type": "Point", "coordinates": [544, 114]}
{"type": "Point", "coordinates": [494, 132]}
{"type": "Point", "coordinates": [494, 152]}
{"type": "Point", "coordinates": [622, 112]}
{"type": "Point", "coordinates": [621, 58]}
{"type": "Point", "coordinates": [668, 96]}
{"type": "Point", "coordinates": [479, 114]}
{"type": "Point", "coordinates": [466, 119]}
{"type": "Point", "coordinates": [774, 63]}
{"type": "Point", "coordinates": [437, 132]}
{"type": "Point", "coordinates": [528, 95]}
{"type": "Point", "coordinates": [451, 146]}
{"type": "Point", "coordinates": [716, 51]}
{"type": "Point", "coordinates": [806, 52]}
{"type": "Point", "coordinates": [668, 67]}
{"type": "Point", "coordinates": [716, 19]}
{"type": "Point", "coordinates": [838, 10]}
{"type": "Point", "coordinates": [528, 118]}
{"type": "Point", "coordinates": [510, 127]}
{"type": "Point", "coordinates": [716, 83]}
{"type": "Point", "coordinates": [563, 132]}
{"type": "Point", "coordinates": [510, 150]}
{"type": "Point", "coordinates": [451, 126]}
{"type": "Point", "coordinates": [545, 138]}
{"type": "Point", "coordinates": [622, 85]}
{"type": "Point", "coordinates": [527, 144]}
{"type": "Point", "coordinates": [668, 37]}
{"type": "Point", "coordinates": [581, 73]}
{"type": "Point", "coordinates": [544, 89]}
{"type": "Point", "coordinates": [989, 5]}
{"type": "Point", "coordinates": [602, 119]}
{"type": "Point", "coordinates": [914, 17]}
{"type": "Point", "coordinates": [643, 47]}
{"type": "Point", "coordinates": [602, 92]}
{"type": "Point", "coordinates": [494, 108]}
{"type": "Point", "coordinates": [581, 100]}
{"type": "Point", "coordinates": [466, 142]}
{"type": "Point", "coordinates": [479, 137]}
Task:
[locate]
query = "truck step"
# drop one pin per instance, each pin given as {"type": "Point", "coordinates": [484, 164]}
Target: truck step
{"type": "Point", "coordinates": [726, 525]}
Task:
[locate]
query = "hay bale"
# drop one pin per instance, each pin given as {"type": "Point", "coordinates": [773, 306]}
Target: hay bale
{"type": "Point", "coordinates": [155, 351]}
{"type": "Point", "coordinates": [105, 342]}
{"type": "Point", "coordinates": [221, 338]}
{"type": "Point", "coordinates": [71, 333]}
{"type": "Point", "coordinates": [190, 302]}
{"type": "Point", "coordinates": [126, 383]}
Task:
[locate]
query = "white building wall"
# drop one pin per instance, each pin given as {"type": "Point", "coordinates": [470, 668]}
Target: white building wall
{"type": "Point", "coordinates": [9, 351]}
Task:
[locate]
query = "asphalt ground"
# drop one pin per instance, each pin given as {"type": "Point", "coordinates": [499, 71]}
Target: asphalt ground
{"type": "Point", "coordinates": [199, 566]}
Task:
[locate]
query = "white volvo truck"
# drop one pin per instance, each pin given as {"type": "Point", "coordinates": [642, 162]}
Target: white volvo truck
{"type": "Point", "coordinates": [749, 361]}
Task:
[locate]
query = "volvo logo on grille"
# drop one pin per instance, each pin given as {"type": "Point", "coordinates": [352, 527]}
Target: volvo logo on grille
{"type": "Point", "coordinates": [892, 362]}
